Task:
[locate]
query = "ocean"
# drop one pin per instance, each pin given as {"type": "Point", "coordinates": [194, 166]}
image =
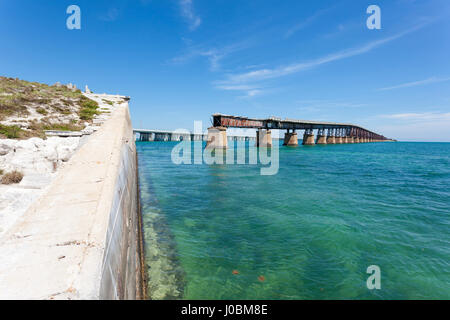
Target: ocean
{"type": "Point", "coordinates": [310, 231]}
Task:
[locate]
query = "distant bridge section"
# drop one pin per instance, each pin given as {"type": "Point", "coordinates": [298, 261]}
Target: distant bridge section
{"type": "Point", "coordinates": [327, 132]}
{"type": "Point", "coordinates": [166, 135]}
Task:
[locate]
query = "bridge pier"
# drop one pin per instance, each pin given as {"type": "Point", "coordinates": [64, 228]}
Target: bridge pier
{"type": "Point", "coordinates": [340, 136]}
{"type": "Point", "coordinates": [217, 138]}
{"type": "Point", "coordinates": [331, 140]}
{"type": "Point", "coordinates": [291, 139]}
{"type": "Point", "coordinates": [263, 138]}
{"type": "Point", "coordinates": [308, 138]}
{"type": "Point", "coordinates": [321, 137]}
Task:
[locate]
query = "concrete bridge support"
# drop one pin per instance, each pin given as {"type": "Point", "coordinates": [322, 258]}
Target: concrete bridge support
{"type": "Point", "coordinates": [356, 140]}
{"type": "Point", "coordinates": [291, 139]}
{"type": "Point", "coordinates": [321, 137]}
{"type": "Point", "coordinates": [308, 138]}
{"type": "Point", "coordinates": [264, 138]}
{"type": "Point", "coordinates": [217, 138]}
{"type": "Point", "coordinates": [331, 140]}
{"type": "Point", "coordinates": [345, 140]}
{"type": "Point", "coordinates": [338, 140]}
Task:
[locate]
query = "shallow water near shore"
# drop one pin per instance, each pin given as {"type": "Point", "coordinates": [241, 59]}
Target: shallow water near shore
{"type": "Point", "coordinates": [309, 232]}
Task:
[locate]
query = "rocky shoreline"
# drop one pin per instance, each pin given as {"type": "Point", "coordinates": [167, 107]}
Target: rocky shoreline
{"type": "Point", "coordinates": [39, 160]}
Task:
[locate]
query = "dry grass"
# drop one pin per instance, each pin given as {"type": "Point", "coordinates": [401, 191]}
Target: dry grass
{"type": "Point", "coordinates": [12, 177]}
{"type": "Point", "coordinates": [33, 102]}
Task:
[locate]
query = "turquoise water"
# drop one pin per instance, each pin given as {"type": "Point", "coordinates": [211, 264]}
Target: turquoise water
{"type": "Point", "coordinates": [311, 230]}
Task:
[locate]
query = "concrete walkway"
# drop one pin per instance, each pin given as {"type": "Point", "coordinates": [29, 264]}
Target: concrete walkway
{"type": "Point", "coordinates": [55, 250]}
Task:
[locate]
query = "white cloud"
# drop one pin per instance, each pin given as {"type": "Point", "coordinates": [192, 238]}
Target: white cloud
{"type": "Point", "coordinates": [236, 87]}
{"type": "Point", "coordinates": [415, 83]}
{"type": "Point", "coordinates": [111, 15]}
{"type": "Point", "coordinates": [306, 22]}
{"type": "Point", "coordinates": [326, 104]}
{"type": "Point", "coordinates": [187, 11]}
{"type": "Point", "coordinates": [264, 74]}
{"type": "Point", "coordinates": [249, 91]}
{"type": "Point", "coordinates": [417, 129]}
{"type": "Point", "coordinates": [214, 55]}
{"type": "Point", "coordinates": [424, 116]}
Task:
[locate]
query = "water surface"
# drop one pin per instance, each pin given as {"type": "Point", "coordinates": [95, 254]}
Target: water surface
{"type": "Point", "coordinates": [311, 230]}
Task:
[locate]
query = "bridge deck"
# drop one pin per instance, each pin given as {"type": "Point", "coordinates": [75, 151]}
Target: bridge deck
{"type": "Point", "coordinates": [227, 121]}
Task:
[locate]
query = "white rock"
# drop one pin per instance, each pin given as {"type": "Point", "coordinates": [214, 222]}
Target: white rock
{"type": "Point", "coordinates": [36, 156]}
{"type": "Point", "coordinates": [64, 153]}
{"type": "Point", "coordinates": [6, 146]}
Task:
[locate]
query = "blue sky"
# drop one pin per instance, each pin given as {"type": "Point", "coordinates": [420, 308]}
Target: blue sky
{"type": "Point", "coordinates": [183, 60]}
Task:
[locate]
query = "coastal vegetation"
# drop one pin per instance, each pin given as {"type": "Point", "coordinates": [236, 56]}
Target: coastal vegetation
{"type": "Point", "coordinates": [27, 109]}
{"type": "Point", "coordinates": [108, 102]}
{"type": "Point", "coordinates": [12, 177]}
{"type": "Point", "coordinates": [10, 132]}
{"type": "Point", "coordinates": [88, 109]}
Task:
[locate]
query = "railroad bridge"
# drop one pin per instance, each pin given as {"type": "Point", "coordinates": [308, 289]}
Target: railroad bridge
{"type": "Point", "coordinates": [327, 132]}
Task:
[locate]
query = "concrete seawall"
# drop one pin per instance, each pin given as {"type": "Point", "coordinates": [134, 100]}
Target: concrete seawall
{"type": "Point", "coordinates": [82, 239]}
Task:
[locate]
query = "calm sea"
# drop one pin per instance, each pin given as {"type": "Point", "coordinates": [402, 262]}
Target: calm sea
{"type": "Point", "coordinates": [309, 232]}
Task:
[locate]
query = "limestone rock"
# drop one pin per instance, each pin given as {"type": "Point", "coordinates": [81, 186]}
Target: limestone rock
{"type": "Point", "coordinates": [36, 156]}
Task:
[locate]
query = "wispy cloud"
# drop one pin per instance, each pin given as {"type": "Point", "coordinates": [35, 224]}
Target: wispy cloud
{"type": "Point", "coordinates": [422, 126]}
{"type": "Point", "coordinates": [264, 74]}
{"type": "Point", "coordinates": [415, 83]}
{"type": "Point", "coordinates": [111, 14]}
{"type": "Point", "coordinates": [214, 55]}
{"type": "Point", "coordinates": [327, 104]}
{"type": "Point", "coordinates": [308, 21]}
{"type": "Point", "coordinates": [187, 11]}
{"type": "Point", "coordinates": [424, 116]}
{"type": "Point", "coordinates": [248, 91]}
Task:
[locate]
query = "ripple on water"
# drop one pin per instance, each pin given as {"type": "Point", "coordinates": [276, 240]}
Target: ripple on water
{"type": "Point", "coordinates": [309, 232]}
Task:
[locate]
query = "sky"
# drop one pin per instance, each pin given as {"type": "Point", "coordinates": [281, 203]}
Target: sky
{"type": "Point", "coordinates": [181, 61]}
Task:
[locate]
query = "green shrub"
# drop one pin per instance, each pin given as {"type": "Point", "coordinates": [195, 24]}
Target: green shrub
{"type": "Point", "coordinates": [11, 132]}
{"type": "Point", "coordinates": [62, 127]}
{"type": "Point", "coordinates": [88, 109]}
{"type": "Point", "coordinates": [41, 111]}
